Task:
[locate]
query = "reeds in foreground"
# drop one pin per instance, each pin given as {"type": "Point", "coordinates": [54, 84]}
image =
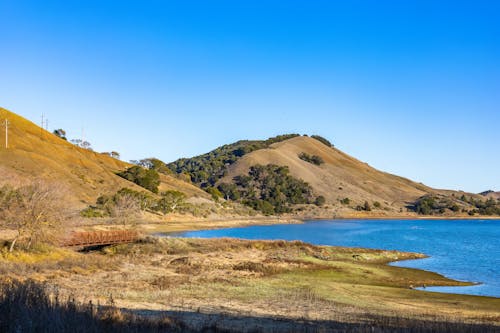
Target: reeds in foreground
{"type": "Point", "coordinates": [30, 306]}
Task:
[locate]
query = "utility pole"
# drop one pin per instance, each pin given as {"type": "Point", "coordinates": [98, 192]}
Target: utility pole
{"type": "Point", "coordinates": [41, 128]}
{"type": "Point", "coordinates": [6, 133]}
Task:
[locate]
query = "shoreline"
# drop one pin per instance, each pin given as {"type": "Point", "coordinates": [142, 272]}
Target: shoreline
{"type": "Point", "coordinates": [231, 276]}
{"type": "Point", "coordinates": [213, 224]}
{"type": "Point", "coordinates": [302, 281]}
{"type": "Point", "coordinates": [458, 283]}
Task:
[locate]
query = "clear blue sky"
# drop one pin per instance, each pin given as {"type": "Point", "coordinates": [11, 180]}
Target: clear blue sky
{"type": "Point", "coordinates": [411, 87]}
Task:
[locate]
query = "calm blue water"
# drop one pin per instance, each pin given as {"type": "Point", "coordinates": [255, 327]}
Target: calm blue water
{"type": "Point", "coordinates": [466, 250]}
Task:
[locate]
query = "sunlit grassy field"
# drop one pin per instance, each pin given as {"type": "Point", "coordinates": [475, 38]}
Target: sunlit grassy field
{"type": "Point", "coordinates": [264, 279]}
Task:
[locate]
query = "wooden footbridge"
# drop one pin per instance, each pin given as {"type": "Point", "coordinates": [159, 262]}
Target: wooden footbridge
{"type": "Point", "coordinates": [85, 239]}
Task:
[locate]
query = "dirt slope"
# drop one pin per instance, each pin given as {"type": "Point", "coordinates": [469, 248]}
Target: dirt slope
{"type": "Point", "coordinates": [341, 176]}
{"type": "Point", "coordinates": [34, 153]}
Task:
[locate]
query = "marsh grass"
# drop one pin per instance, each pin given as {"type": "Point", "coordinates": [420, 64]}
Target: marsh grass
{"type": "Point", "coordinates": [29, 307]}
{"type": "Point", "coordinates": [251, 286]}
{"type": "Point", "coordinates": [33, 307]}
{"type": "Point", "coordinates": [49, 259]}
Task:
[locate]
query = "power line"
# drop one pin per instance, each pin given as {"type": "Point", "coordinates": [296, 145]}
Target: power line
{"type": "Point", "coordinates": [41, 128]}
{"type": "Point", "coordinates": [6, 133]}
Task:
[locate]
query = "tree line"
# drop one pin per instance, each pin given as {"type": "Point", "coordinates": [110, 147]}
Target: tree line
{"type": "Point", "coordinates": [126, 205]}
{"type": "Point", "coordinates": [435, 205]}
{"type": "Point", "coordinates": [205, 170]}
{"type": "Point", "coordinates": [269, 189]}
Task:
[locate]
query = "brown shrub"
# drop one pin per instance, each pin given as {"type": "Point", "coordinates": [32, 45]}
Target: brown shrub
{"type": "Point", "coordinates": [168, 282]}
{"type": "Point", "coordinates": [257, 267]}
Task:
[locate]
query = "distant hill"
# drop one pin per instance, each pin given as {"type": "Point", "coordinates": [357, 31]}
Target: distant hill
{"type": "Point", "coordinates": [320, 174]}
{"type": "Point", "coordinates": [207, 169]}
{"type": "Point", "coordinates": [34, 153]}
{"type": "Point", "coordinates": [290, 173]}
{"type": "Point", "coordinates": [339, 176]}
{"type": "Point", "coordinates": [491, 194]}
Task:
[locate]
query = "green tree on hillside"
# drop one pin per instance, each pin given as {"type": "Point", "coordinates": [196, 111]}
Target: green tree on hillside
{"type": "Point", "coordinates": [60, 133]}
{"type": "Point", "coordinates": [113, 154]}
{"type": "Point", "coordinates": [270, 189]}
{"type": "Point", "coordinates": [82, 144]}
{"type": "Point", "coordinates": [147, 178]}
{"type": "Point", "coordinates": [215, 193]}
{"type": "Point", "coordinates": [320, 201]}
{"type": "Point", "coordinates": [345, 201]}
{"type": "Point", "coordinates": [170, 201]}
{"type": "Point", "coordinates": [322, 140]}
{"type": "Point", "coordinates": [207, 169]}
{"type": "Point", "coordinates": [153, 163]}
{"type": "Point", "coordinates": [118, 205]}
{"type": "Point", "coordinates": [229, 191]}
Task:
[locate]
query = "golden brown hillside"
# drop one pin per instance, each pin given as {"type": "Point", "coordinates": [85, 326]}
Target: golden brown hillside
{"type": "Point", "coordinates": [34, 153]}
{"type": "Point", "coordinates": [340, 176]}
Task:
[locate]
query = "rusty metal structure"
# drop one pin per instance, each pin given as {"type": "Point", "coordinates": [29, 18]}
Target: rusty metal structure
{"type": "Point", "coordinates": [100, 238]}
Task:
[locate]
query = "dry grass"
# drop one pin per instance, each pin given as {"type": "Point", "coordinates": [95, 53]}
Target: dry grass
{"type": "Point", "coordinates": [44, 263]}
{"type": "Point", "coordinates": [33, 307]}
{"type": "Point", "coordinates": [251, 282]}
{"type": "Point", "coordinates": [341, 176]}
{"type": "Point", "coordinates": [37, 154]}
{"type": "Point", "coordinates": [253, 278]}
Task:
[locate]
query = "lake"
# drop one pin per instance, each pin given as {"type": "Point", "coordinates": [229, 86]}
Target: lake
{"type": "Point", "coordinates": [466, 250]}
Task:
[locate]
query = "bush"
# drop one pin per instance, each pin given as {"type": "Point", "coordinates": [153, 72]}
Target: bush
{"type": "Point", "coordinates": [154, 163]}
{"type": "Point", "coordinates": [146, 178]}
{"type": "Point", "coordinates": [60, 133]}
{"type": "Point", "coordinates": [429, 205]}
{"type": "Point", "coordinates": [215, 193]}
{"type": "Point", "coordinates": [34, 211]}
{"type": "Point", "coordinates": [91, 212]}
{"type": "Point", "coordinates": [314, 159]}
{"type": "Point", "coordinates": [320, 201]}
{"type": "Point", "coordinates": [264, 206]}
{"type": "Point", "coordinates": [345, 201]}
{"type": "Point", "coordinates": [122, 205]}
{"type": "Point", "coordinates": [270, 189]}
{"type": "Point", "coordinates": [229, 191]}
{"type": "Point", "coordinates": [322, 140]}
{"type": "Point", "coordinates": [426, 205]}
{"type": "Point", "coordinates": [170, 201]}
{"type": "Point", "coordinates": [377, 204]}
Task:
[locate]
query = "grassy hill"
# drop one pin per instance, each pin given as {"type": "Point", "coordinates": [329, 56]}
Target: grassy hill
{"type": "Point", "coordinates": [339, 176]}
{"type": "Point", "coordinates": [316, 169]}
{"type": "Point", "coordinates": [287, 173]}
{"type": "Point", "coordinates": [207, 169]}
{"type": "Point", "coordinates": [34, 153]}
